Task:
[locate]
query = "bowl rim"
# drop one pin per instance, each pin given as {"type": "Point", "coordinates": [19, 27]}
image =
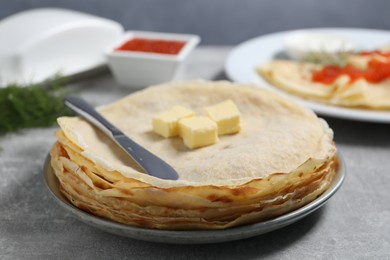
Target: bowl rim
{"type": "Point", "coordinates": [191, 41]}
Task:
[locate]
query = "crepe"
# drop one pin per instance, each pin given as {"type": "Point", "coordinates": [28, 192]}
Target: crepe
{"type": "Point", "coordinates": [296, 78]}
{"type": "Point", "coordinates": [283, 158]}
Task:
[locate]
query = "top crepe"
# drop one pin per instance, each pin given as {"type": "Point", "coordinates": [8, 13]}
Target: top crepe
{"type": "Point", "coordinates": [277, 136]}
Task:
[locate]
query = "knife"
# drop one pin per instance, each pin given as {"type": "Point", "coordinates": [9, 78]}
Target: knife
{"type": "Point", "coordinates": [149, 162]}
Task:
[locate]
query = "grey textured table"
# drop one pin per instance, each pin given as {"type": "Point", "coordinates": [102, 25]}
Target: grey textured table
{"type": "Point", "coordinates": [354, 224]}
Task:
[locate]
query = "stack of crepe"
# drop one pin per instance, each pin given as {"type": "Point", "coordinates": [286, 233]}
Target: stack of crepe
{"type": "Point", "coordinates": [283, 158]}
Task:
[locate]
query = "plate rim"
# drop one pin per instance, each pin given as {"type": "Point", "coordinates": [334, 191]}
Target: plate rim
{"type": "Point", "coordinates": [192, 236]}
{"type": "Point", "coordinates": [376, 116]}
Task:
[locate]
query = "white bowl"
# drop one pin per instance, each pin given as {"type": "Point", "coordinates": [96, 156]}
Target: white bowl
{"type": "Point", "coordinates": [39, 43]}
{"type": "Point", "coordinates": [139, 69]}
{"type": "Point", "coordinates": [299, 45]}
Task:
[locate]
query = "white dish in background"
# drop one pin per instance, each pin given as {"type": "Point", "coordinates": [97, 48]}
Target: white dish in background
{"type": "Point", "coordinates": [192, 236]}
{"type": "Point", "coordinates": [242, 60]}
{"type": "Point", "coordinates": [38, 44]}
{"type": "Point", "coordinates": [139, 69]}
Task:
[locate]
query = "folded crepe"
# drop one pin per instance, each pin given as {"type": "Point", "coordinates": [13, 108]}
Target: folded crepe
{"type": "Point", "coordinates": [296, 78]}
{"type": "Point", "coordinates": [283, 158]}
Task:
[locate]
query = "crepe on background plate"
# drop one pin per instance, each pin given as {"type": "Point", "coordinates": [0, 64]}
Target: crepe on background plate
{"type": "Point", "coordinates": [295, 77]}
{"type": "Point", "coordinates": [283, 158]}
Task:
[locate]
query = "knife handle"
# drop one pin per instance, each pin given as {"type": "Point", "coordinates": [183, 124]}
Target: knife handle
{"type": "Point", "coordinates": [81, 107]}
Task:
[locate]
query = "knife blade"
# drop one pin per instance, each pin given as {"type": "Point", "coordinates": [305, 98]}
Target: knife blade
{"type": "Point", "coordinates": [148, 161]}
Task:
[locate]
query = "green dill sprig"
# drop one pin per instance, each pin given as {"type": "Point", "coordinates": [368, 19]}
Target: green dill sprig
{"type": "Point", "coordinates": [32, 106]}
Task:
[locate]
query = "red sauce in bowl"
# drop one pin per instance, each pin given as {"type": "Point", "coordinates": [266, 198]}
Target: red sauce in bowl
{"type": "Point", "coordinates": [152, 46]}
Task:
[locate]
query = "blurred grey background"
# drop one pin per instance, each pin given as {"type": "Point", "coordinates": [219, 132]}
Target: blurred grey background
{"type": "Point", "coordinates": [223, 22]}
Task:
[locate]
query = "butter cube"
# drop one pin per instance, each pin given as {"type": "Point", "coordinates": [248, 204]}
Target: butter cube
{"type": "Point", "coordinates": [226, 115]}
{"type": "Point", "coordinates": [166, 123]}
{"type": "Point", "coordinates": [198, 131]}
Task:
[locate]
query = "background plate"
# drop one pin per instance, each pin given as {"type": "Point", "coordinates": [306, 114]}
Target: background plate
{"type": "Point", "coordinates": [241, 61]}
{"type": "Point", "coordinates": [191, 236]}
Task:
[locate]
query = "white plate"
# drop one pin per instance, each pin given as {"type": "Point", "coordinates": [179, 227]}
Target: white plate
{"type": "Point", "coordinates": [241, 61]}
{"type": "Point", "coordinates": [192, 236]}
{"type": "Point", "coordinates": [71, 73]}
